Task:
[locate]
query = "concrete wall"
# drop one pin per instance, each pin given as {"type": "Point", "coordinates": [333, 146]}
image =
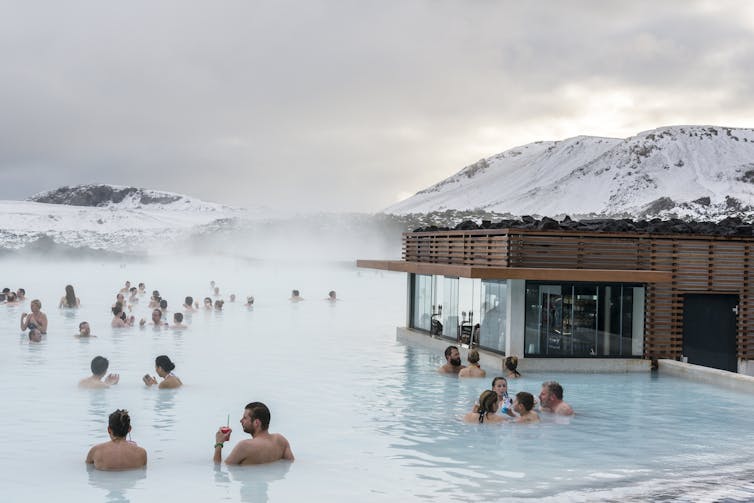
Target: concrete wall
{"type": "Point", "coordinates": [494, 361]}
{"type": "Point", "coordinates": [697, 373]}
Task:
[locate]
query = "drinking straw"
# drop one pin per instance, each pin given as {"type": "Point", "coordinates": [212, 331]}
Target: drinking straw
{"type": "Point", "coordinates": [228, 423]}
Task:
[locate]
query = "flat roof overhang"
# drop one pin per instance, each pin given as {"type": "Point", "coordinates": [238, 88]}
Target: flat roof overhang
{"type": "Point", "coordinates": [530, 273]}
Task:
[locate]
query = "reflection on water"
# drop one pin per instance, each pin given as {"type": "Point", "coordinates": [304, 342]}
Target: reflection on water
{"type": "Point", "coordinates": [115, 484]}
{"type": "Point", "coordinates": [255, 480]}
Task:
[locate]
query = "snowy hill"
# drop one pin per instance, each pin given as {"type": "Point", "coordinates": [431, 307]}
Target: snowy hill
{"type": "Point", "coordinates": [690, 172]}
{"type": "Point", "coordinates": [106, 217]}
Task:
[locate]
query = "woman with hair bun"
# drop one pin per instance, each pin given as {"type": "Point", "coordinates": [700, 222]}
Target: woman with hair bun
{"type": "Point", "coordinates": [486, 411]}
{"type": "Point", "coordinates": [164, 368]}
{"type": "Point", "coordinates": [118, 453]}
{"type": "Point", "coordinates": [511, 365]}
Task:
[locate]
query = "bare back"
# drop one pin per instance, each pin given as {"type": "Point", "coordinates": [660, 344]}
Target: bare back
{"type": "Point", "coordinates": [264, 448]}
{"type": "Point", "coordinates": [472, 371]}
{"type": "Point", "coordinates": [117, 454]}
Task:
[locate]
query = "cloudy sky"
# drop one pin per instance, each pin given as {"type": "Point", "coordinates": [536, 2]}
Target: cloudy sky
{"type": "Point", "coordinates": [345, 105]}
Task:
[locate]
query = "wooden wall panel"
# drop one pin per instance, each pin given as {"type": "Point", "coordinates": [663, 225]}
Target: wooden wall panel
{"type": "Point", "coordinates": [703, 264]}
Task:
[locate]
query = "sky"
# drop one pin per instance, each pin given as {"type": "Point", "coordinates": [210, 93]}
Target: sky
{"type": "Point", "coordinates": [318, 105]}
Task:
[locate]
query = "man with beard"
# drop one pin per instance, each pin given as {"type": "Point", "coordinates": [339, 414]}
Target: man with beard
{"type": "Point", "coordinates": [262, 447]}
{"type": "Point", "coordinates": [551, 399]}
{"type": "Point", "coordinates": [453, 361]}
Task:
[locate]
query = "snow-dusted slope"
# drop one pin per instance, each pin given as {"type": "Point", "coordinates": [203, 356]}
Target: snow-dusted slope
{"type": "Point", "coordinates": [697, 172]}
{"type": "Point", "coordinates": [113, 218]}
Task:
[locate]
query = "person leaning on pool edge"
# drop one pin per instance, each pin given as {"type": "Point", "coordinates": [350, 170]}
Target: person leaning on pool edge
{"type": "Point", "coordinates": [262, 447]}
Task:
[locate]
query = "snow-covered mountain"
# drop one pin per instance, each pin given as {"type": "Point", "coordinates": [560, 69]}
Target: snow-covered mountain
{"type": "Point", "coordinates": [107, 217]}
{"type": "Point", "coordinates": [689, 172]}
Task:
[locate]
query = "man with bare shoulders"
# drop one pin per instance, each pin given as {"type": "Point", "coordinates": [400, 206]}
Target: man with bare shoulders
{"type": "Point", "coordinates": [453, 361]}
{"type": "Point", "coordinates": [99, 369]}
{"type": "Point", "coordinates": [118, 453]}
{"type": "Point", "coordinates": [262, 447]}
{"type": "Point", "coordinates": [551, 399]}
{"type": "Point", "coordinates": [473, 370]}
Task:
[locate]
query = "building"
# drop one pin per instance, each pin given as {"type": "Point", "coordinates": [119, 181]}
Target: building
{"type": "Point", "coordinates": [565, 291]}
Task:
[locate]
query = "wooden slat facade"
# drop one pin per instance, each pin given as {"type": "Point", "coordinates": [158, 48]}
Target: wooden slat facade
{"type": "Point", "coordinates": [696, 263]}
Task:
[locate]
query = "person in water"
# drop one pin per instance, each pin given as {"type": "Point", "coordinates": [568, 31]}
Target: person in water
{"type": "Point", "coordinates": [164, 368]}
{"type": "Point", "coordinates": [511, 364]}
{"type": "Point", "coordinates": [85, 330]}
{"type": "Point", "coordinates": [188, 304]}
{"type": "Point", "coordinates": [99, 367]}
{"type": "Point", "coordinates": [332, 296]}
{"type": "Point", "coordinates": [473, 370]}
{"type": "Point", "coordinates": [262, 447]}
{"type": "Point", "coordinates": [120, 319]}
{"type": "Point", "coordinates": [500, 386]}
{"type": "Point", "coordinates": [486, 410]}
{"type": "Point", "coordinates": [156, 319]}
{"type": "Point", "coordinates": [118, 453]}
{"type": "Point", "coordinates": [36, 319]}
{"type": "Point", "coordinates": [296, 296]}
{"type": "Point", "coordinates": [551, 399]}
{"type": "Point", "coordinates": [178, 321]}
{"type": "Point", "coordinates": [452, 363]}
{"type": "Point", "coordinates": [69, 299]}
{"type": "Point", "coordinates": [523, 405]}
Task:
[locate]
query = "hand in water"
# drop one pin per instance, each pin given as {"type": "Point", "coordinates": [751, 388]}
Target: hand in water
{"type": "Point", "coordinates": [149, 380]}
{"type": "Point", "coordinates": [112, 379]}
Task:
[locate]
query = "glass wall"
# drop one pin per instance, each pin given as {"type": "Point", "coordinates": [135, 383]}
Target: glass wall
{"type": "Point", "coordinates": [580, 319]}
{"type": "Point", "coordinates": [450, 308]}
{"type": "Point", "coordinates": [493, 315]}
{"type": "Point", "coordinates": [421, 301]}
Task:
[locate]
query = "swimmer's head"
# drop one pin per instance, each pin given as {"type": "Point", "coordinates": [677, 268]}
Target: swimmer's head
{"type": "Point", "coordinates": [473, 356]}
{"type": "Point", "coordinates": [35, 335]}
{"type": "Point", "coordinates": [511, 363]}
{"type": "Point", "coordinates": [178, 317]}
{"type": "Point", "coordinates": [250, 299]}
{"type": "Point", "coordinates": [295, 293]}
{"type": "Point", "coordinates": [232, 297]}
{"type": "Point", "coordinates": [525, 399]}
{"type": "Point", "coordinates": [207, 302]}
{"type": "Point", "coordinates": [331, 294]}
{"type": "Point", "coordinates": [119, 424]}
{"type": "Point", "coordinates": [163, 304]}
{"type": "Point", "coordinates": [189, 301]}
{"type": "Point", "coordinates": [156, 316]}
{"type": "Point", "coordinates": [500, 385]}
{"type": "Point", "coordinates": [84, 328]}
{"type": "Point", "coordinates": [219, 304]}
{"type": "Point", "coordinates": [488, 402]}
{"type": "Point", "coordinates": [99, 365]}
{"type": "Point", "coordinates": [36, 303]}
{"type": "Point", "coordinates": [164, 363]}
{"type": "Point", "coordinates": [258, 410]}
{"type": "Point", "coordinates": [117, 308]}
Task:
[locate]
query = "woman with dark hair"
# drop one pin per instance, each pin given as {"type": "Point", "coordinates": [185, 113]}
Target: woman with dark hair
{"type": "Point", "coordinates": [118, 453]}
{"type": "Point", "coordinates": [120, 319]}
{"type": "Point", "coordinates": [164, 368]}
{"type": "Point", "coordinates": [511, 363]}
{"type": "Point", "coordinates": [486, 410]}
{"type": "Point", "coordinates": [70, 299]}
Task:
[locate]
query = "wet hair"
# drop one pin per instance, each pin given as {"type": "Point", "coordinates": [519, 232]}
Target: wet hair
{"type": "Point", "coordinates": [37, 302]}
{"type": "Point", "coordinates": [35, 335]}
{"type": "Point", "coordinates": [22, 291]}
{"type": "Point", "coordinates": [498, 379]}
{"type": "Point", "coordinates": [6, 290]}
{"type": "Point", "coordinates": [525, 399]}
{"type": "Point", "coordinates": [487, 403]}
{"type": "Point", "coordinates": [163, 304]}
{"type": "Point", "coordinates": [219, 304]}
{"type": "Point", "coordinates": [189, 300]}
{"type": "Point", "coordinates": [70, 296]}
{"type": "Point", "coordinates": [133, 290]}
{"type": "Point", "coordinates": [449, 350]}
{"type": "Point", "coordinates": [155, 293]}
{"type": "Point", "coordinates": [117, 309]}
{"type": "Point", "coordinates": [555, 388]}
{"type": "Point", "coordinates": [250, 299]}
{"type": "Point", "coordinates": [81, 325]}
{"type": "Point", "coordinates": [99, 365]}
{"type": "Point", "coordinates": [141, 285]}
{"type": "Point", "coordinates": [164, 363]}
{"type": "Point", "coordinates": [259, 411]}
{"type": "Point", "coordinates": [178, 317]}
{"type": "Point", "coordinates": [473, 356]}
{"type": "Point", "coordinates": [207, 299]}
{"type": "Point", "coordinates": [120, 423]}
{"type": "Point", "coordinates": [511, 363]}
{"type": "Point", "coordinates": [295, 293]}
{"type": "Point", "coordinates": [156, 311]}
{"type": "Point", "coordinates": [11, 296]}
{"type": "Point", "coordinates": [331, 293]}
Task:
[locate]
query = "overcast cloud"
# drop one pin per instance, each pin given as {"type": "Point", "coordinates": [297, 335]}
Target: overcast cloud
{"type": "Point", "coordinates": [345, 105]}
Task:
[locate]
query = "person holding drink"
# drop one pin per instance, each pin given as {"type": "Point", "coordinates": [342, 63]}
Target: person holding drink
{"type": "Point", "coordinates": [262, 447]}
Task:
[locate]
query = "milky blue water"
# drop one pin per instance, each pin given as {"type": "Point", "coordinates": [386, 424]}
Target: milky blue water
{"type": "Point", "coordinates": [367, 417]}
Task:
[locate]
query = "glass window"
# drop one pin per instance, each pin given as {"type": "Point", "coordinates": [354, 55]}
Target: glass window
{"type": "Point", "coordinates": [493, 315]}
{"type": "Point", "coordinates": [421, 305]}
{"type": "Point", "coordinates": [580, 319]}
{"type": "Point", "coordinates": [450, 319]}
